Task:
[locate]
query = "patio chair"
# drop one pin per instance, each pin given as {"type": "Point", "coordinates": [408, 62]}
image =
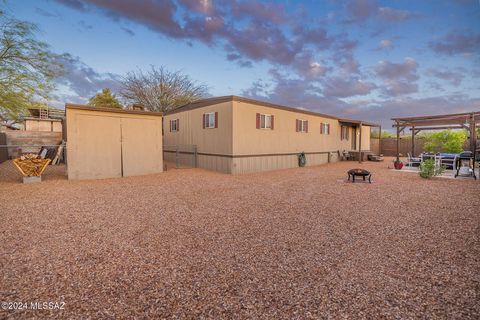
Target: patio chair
{"type": "Point", "coordinates": [413, 161]}
{"type": "Point", "coordinates": [448, 160]}
{"type": "Point", "coordinates": [374, 157]}
{"type": "Point", "coordinates": [346, 155]}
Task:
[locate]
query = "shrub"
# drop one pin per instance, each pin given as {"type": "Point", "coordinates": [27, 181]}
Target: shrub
{"type": "Point", "coordinates": [427, 169]}
{"type": "Point", "coordinates": [445, 141]}
{"type": "Point", "coordinates": [385, 134]}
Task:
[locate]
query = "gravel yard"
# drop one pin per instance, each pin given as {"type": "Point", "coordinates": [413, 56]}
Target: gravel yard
{"type": "Point", "coordinates": [291, 244]}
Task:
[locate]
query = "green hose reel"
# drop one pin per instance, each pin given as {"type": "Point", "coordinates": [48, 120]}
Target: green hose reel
{"type": "Point", "coordinates": [302, 160]}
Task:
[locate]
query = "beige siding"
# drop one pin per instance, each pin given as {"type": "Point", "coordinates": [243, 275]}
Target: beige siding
{"type": "Point", "coordinates": [57, 126]}
{"type": "Point", "coordinates": [267, 163]}
{"type": "Point", "coordinates": [366, 138]}
{"type": "Point", "coordinates": [191, 131]}
{"type": "Point", "coordinates": [141, 142]}
{"type": "Point", "coordinates": [104, 144]}
{"type": "Point", "coordinates": [215, 163]}
{"type": "Point", "coordinates": [44, 125]}
{"type": "Point", "coordinates": [248, 140]}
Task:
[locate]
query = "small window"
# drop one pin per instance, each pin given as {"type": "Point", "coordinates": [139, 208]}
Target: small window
{"type": "Point", "coordinates": [344, 133]}
{"type": "Point", "coordinates": [265, 121]}
{"type": "Point", "coordinates": [210, 120]}
{"type": "Point", "coordinates": [174, 125]}
{"type": "Point", "coordinates": [302, 125]}
{"type": "Point", "coordinates": [324, 128]}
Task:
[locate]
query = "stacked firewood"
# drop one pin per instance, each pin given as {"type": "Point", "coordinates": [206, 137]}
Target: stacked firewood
{"type": "Point", "coordinates": [31, 165]}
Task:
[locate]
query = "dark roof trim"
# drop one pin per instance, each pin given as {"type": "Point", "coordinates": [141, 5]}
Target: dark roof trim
{"type": "Point", "coordinates": [439, 117]}
{"type": "Point", "coordinates": [210, 101]}
{"type": "Point", "coordinates": [43, 119]}
{"type": "Point", "coordinates": [216, 100]}
{"type": "Point", "coordinates": [364, 123]}
{"type": "Point", "coordinates": [114, 110]}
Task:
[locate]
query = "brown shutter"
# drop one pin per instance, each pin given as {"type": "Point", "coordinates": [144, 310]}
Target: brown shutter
{"type": "Point", "coordinates": [272, 121]}
{"type": "Point", "coordinates": [328, 128]}
{"type": "Point", "coordinates": [258, 120]}
{"type": "Point", "coordinates": [204, 121]}
{"type": "Point", "coordinates": [321, 128]}
{"type": "Point", "coordinates": [216, 119]}
{"type": "Point", "coordinates": [341, 132]}
{"type": "Point", "coordinates": [297, 126]}
{"type": "Point", "coordinates": [170, 125]}
{"type": "Point", "coordinates": [306, 126]}
{"type": "Point", "coordinates": [178, 124]}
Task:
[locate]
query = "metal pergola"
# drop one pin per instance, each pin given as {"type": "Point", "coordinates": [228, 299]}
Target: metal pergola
{"type": "Point", "coordinates": [468, 121]}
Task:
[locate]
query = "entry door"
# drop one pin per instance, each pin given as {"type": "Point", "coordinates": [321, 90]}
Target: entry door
{"type": "Point", "coordinates": [354, 138]}
{"type": "Point", "coordinates": [141, 152]}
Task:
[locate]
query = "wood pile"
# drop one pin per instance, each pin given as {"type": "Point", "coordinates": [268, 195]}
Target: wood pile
{"type": "Point", "coordinates": [31, 165]}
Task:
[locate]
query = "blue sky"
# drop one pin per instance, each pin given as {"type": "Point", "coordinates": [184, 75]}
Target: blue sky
{"type": "Point", "coordinates": [365, 59]}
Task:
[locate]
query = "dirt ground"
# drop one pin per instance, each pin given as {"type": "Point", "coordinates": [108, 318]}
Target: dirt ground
{"type": "Point", "coordinates": [291, 244]}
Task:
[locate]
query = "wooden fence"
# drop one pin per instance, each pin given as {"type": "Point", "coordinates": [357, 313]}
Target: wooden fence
{"type": "Point", "coordinates": [3, 150]}
{"type": "Point", "coordinates": [388, 146]}
{"type": "Point", "coordinates": [20, 142]}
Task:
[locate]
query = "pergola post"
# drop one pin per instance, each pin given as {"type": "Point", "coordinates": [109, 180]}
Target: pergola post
{"type": "Point", "coordinates": [473, 140]}
{"type": "Point", "coordinates": [398, 141]}
{"type": "Point", "coordinates": [379, 140]}
{"type": "Point", "coordinates": [360, 144]}
{"type": "Point", "coordinates": [413, 141]}
{"type": "Point", "coordinates": [473, 143]}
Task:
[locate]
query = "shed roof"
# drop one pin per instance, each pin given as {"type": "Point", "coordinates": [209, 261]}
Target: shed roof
{"type": "Point", "coordinates": [115, 110]}
{"type": "Point", "coordinates": [215, 100]}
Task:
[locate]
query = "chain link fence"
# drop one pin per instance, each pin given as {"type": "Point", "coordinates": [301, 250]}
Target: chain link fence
{"type": "Point", "coordinates": [180, 156]}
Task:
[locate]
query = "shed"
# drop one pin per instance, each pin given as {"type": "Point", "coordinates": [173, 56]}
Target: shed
{"type": "Point", "coordinates": [109, 143]}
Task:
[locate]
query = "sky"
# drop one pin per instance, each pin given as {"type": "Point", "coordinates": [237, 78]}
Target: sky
{"type": "Point", "coordinates": [363, 59]}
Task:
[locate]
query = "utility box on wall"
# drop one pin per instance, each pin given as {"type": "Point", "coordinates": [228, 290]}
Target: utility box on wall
{"type": "Point", "coordinates": [109, 143]}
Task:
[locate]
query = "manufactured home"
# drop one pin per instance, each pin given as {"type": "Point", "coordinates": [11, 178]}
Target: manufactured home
{"type": "Point", "coordinates": [238, 135]}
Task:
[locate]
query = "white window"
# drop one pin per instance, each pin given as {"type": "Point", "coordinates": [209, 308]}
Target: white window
{"type": "Point", "coordinates": [265, 121]}
{"type": "Point", "coordinates": [302, 125]}
{"type": "Point", "coordinates": [324, 128]}
{"type": "Point", "coordinates": [344, 133]}
{"type": "Point", "coordinates": [174, 125]}
{"type": "Point", "coordinates": [209, 119]}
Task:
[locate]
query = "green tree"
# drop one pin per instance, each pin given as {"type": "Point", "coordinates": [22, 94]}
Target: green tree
{"type": "Point", "coordinates": [105, 99]}
{"type": "Point", "coordinates": [27, 68]}
{"type": "Point", "coordinates": [385, 134]}
{"type": "Point", "coordinates": [446, 141]}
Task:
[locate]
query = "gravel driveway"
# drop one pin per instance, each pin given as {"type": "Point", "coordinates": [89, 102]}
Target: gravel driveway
{"type": "Point", "coordinates": [291, 244]}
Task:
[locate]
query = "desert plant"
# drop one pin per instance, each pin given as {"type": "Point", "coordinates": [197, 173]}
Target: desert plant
{"type": "Point", "coordinates": [385, 134]}
{"type": "Point", "coordinates": [445, 141]}
{"type": "Point", "coordinates": [428, 169]}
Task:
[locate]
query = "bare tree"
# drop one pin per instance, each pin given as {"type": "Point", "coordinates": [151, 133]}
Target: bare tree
{"type": "Point", "coordinates": [161, 90]}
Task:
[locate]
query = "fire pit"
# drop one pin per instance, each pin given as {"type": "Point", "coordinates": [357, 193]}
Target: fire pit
{"type": "Point", "coordinates": [359, 173]}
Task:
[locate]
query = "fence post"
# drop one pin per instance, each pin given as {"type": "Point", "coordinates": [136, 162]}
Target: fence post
{"type": "Point", "coordinates": [176, 156]}
{"type": "Point", "coordinates": [194, 155]}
